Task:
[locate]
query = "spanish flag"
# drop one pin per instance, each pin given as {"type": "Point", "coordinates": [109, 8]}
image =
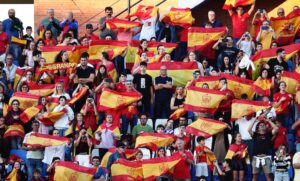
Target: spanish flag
{"type": "Point", "coordinates": [52, 67]}
{"type": "Point", "coordinates": [114, 129]}
{"type": "Point", "coordinates": [26, 99]}
{"type": "Point", "coordinates": [30, 113]}
{"type": "Point", "coordinates": [262, 86]}
{"type": "Point", "coordinates": [74, 52]}
{"type": "Point", "coordinates": [121, 24]}
{"type": "Point", "coordinates": [233, 148]}
{"type": "Point", "coordinates": [178, 113]}
{"type": "Point", "coordinates": [111, 70]}
{"type": "Point", "coordinates": [292, 80]}
{"type": "Point", "coordinates": [49, 119]}
{"type": "Point", "coordinates": [235, 3]}
{"type": "Point", "coordinates": [18, 41]}
{"type": "Point", "coordinates": [20, 72]}
{"type": "Point", "coordinates": [144, 12]}
{"type": "Point", "coordinates": [155, 167]}
{"type": "Point", "coordinates": [45, 140]}
{"type": "Point", "coordinates": [110, 99]}
{"type": "Point", "coordinates": [181, 72]}
{"type": "Point", "coordinates": [153, 140]}
{"type": "Point", "coordinates": [129, 153]}
{"type": "Point", "coordinates": [239, 85]}
{"type": "Point", "coordinates": [286, 5]}
{"type": "Point", "coordinates": [203, 39]}
{"type": "Point", "coordinates": [240, 108]}
{"type": "Point", "coordinates": [78, 95]}
{"type": "Point", "coordinates": [127, 170]}
{"type": "Point", "coordinates": [205, 127]}
{"type": "Point", "coordinates": [212, 81]}
{"type": "Point", "coordinates": [179, 17]}
{"type": "Point", "coordinates": [203, 100]}
{"type": "Point", "coordinates": [12, 176]}
{"type": "Point", "coordinates": [263, 56]}
{"type": "Point", "coordinates": [41, 33]}
{"type": "Point", "coordinates": [286, 27]}
{"type": "Point", "coordinates": [41, 89]}
{"type": "Point", "coordinates": [114, 46]}
{"type": "Point", "coordinates": [14, 130]}
{"type": "Point", "coordinates": [66, 171]}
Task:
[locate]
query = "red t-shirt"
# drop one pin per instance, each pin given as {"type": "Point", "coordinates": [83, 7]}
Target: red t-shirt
{"type": "Point", "coordinates": [284, 105]}
{"type": "Point", "coordinates": [3, 42]}
{"type": "Point", "coordinates": [280, 137]}
{"type": "Point", "coordinates": [202, 158]}
{"type": "Point", "coordinates": [182, 169]}
{"type": "Point", "coordinates": [239, 24]}
{"type": "Point", "coordinates": [225, 105]}
{"type": "Point", "coordinates": [183, 35]}
{"type": "Point", "coordinates": [120, 87]}
{"type": "Point", "coordinates": [187, 141]}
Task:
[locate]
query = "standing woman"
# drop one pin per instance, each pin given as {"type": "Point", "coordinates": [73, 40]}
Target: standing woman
{"type": "Point", "coordinates": [43, 102]}
{"type": "Point", "coordinates": [62, 56]}
{"type": "Point", "coordinates": [177, 100]}
{"type": "Point", "coordinates": [194, 57]}
{"type": "Point", "coordinates": [282, 162]}
{"type": "Point", "coordinates": [60, 91]}
{"type": "Point", "coordinates": [48, 38]}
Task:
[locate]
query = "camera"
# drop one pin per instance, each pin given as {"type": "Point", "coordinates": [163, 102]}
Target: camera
{"type": "Point", "coordinates": [90, 100]}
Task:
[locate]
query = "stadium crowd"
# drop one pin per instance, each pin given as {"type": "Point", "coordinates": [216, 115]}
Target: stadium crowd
{"type": "Point", "coordinates": [263, 145]}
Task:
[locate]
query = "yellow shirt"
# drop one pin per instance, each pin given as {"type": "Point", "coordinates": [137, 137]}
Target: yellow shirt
{"type": "Point", "coordinates": [266, 39]}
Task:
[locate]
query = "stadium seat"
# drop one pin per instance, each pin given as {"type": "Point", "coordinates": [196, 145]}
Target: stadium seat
{"type": "Point", "coordinates": [146, 153]}
{"type": "Point", "coordinates": [95, 152]}
{"type": "Point", "coordinates": [20, 153]}
{"type": "Point", "coordinates": [160, 121]}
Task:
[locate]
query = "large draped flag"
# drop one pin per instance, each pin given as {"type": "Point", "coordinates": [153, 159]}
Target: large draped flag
{"type": "Point", "coordinates": [112, 100]}
{"type": "Point", "coordinates": [74, 52]}
{"type": "Point", "coordinates": [263, 56]}
{"type": "Point", "coordinates": [41, 89]}
{"type": "Point", "coordinates": [240, 108]}
{"type": "Point", "coordinates": [262, 86]}
{"type": "Point", "coordinates": [181, 72]}
{"type": "Point", "coordinates": [235, 3]}
{"type": "Point", "coordinates": [143, 12]}
{"type": "Point", "coordinates": [292, 80]}
{"type": "Point", "coordinates": [286, 27]}
{"type": "Point", "coordinates": [126, 170]}
{"type": "Point", "coordinates": [203, 39]}
{"type": "Point", "coordinates": [233, 148]}
{"type": "Point", "coordinates": [112, 47]}
{"type": "Point", "coordinates": [45, 140]}
{"type": "Point", "coordinates": [66, 171]}
{"type": "Point", "coordinates": [179, 17]}
{"type": "Point", "coordinates": [129, 153]}
{"type": "Point", "coordinates": [14, 130]}
{"type": "Point", "coordinates": [114, 129]}
{"type": "Point", "coordinates": [49, 119]}
{"type": "Point", "coordinates": [153, 140]}
{"type": "Point", "coordinates": [203, 100]}
{"type": "Point", "coordinates": [205, 127]}
{"type": "Point", "coordinates": [286, 5]}
{"type": "Point", "coordinates": [26, 99]}
{"type": "Point", "coordinates": [30, 113]}
{"type": "Point", "coordinates": [121, 24]}
{"type": "Point", "coordinates": [211, 81]}
{"type": "Point", "coordinates": [178, 113]}
{"type": "Point", "coordinates": [155, 167]}
{"type": "Point", "coordinates": [239, 85]}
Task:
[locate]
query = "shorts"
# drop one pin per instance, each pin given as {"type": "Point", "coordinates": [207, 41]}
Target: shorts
{"type": "Point", "coordinates": [239, 164]}
{"type": "Point", "coordinates": [201, 170]}
{"type": "Point", "coordinates": [266, 167]}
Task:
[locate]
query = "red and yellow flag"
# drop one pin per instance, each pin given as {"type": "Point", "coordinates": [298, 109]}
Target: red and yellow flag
{"type": "Point", "coordinates": [30, 113]}
{"type": "Point", "coordinates": [18, 41]}
{"type": "Point", "coordinates": [155, 167]}
{"type": "Point", "coordinates": [14, 130]}
{"type": "Point", "coordinates": [41, 32]}
{"type": "Point", "coordinates": [41, 89]}
{"type": "Point", "coordinates": [113, 128]}
{"type": "Point", "coordinates": [203, 100]}
{"type": "Point", "coordinates": [115, 48]}
{"type": "Point", "coordinates": [121, 24]}
{"type": "Point", "coordinates": [78, 95]}
{"type": "Point", "coordinates": [74, 52]}
{"type": "Point", "coordinates": [262, 86]}
{"type": "Point", "coordinates": [240, 108]}
{"type": "Point", "coordinates": [26, 99]}
{"type": "Point", "coordinates": [233, 148]}
{"type": "Point", "coordinates": [262, 57]}
{"type": "Point", "coordinates": [127, 170]}
{"type": "Point", "coordinates": [203, 39]}
{"type": "Point", "coordinates": [45, 140]}
{"type": "Point", "coordinates": [178, 113]}
{"type": "Point", "coordinates": [144, 12]}
{"type": "Point", "coordinates": [51, 67]}
{"type": "Point", "coordinates": [66, 171]}
{"type": "Point", "coordinates": [205, 127]}
{"type": "Point", "coordinates": [20, 72]}
{"type": "Point", "coordinates": [235, 3]}
{"type": "Point", "coordinates": [212, 81]}
{"type": "Point", "coordinates": [181, 72]}
{"type": "Point", "coordinates": [292, 80]}
{"type": "Point", "coordinates": [153, 140]}
{"type": "Point", "coordinates": [179, 17]}
{"type": "Point", "coordinates": [110, 99]}
{"type": "Point", "coordinates": [12, 176]}
{"type": "Point", "coordinates": [129, 153]}
{"type": "Point", "coordinates": [111, 70]}
{"type": "Point", "coordinates": [49, 119]}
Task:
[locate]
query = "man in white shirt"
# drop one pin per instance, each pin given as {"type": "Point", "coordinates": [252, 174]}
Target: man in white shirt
{"type": "Point", "coordinates": [10, 69]}
{"type": "Point", "coordinates": [148, 28]}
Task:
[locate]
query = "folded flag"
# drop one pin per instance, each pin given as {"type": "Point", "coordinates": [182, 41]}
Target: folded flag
{"type": "Point", "coordinates": [233, 148]}
{"type": "Point", "coordinates": [113, 128]}
{"type": "Point", "coordinates": [110, 99]}
{"type": "Point", "coordinates": [179, 17]}
{"type": "Point", "coordinates": [129, 153]}
{"type": "Point", "coordinates": [45, 140]}
{"type": "Point", "coordinates": [235, 3]}
{"type": "Point", "coordinates": [144, 12]}
{"type": "Point", "coordinates": [49, 119]}
{"type": "Point", "coordinates": [126, 170]}
{"type": "Point", "coordinates": [153, 140]}
{"type": "Point", "coordinates": [203, 39]}
{"type": "Point", "coordinates": [205, 127]}
{"type": "Point", "coordinates": [30, 113]}
{"type": "Point", "coordinates": [115, 48]}
{"type": "Point", "coordinates": [66, 171]}
{"type": "Point", "coordinates": [121, 24]}
{"type": "Point", "coordinates": [14, 130]}
{"type": "Point", "coordinates": [178, 113]}
{"type": "Point", "coordinates": [78, 95]}
{"type": "Point", "coordinates": [240, 108]}
{"type": "Point", "coordinates": [203, 100]}
{"type": "Point", "coordinates": [292, 80]}
{"type": "Point", "coordinates": [155, 167]}
{"type": "Point", "coordinates": [41, 89]}
{"type": "Point", "coordinates": [26, 99]}
{"type": "Point", "coordinates": [262, 86]}
{"type": "Point", "coordinates": [18, 41]}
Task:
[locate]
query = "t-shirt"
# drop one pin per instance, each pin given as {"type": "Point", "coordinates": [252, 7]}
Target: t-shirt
{"type": "Point", "coordinates": [139, 128]}
{"type": "Point", "coordinates": [239, 24]}
{"type": "Point", "coordinates": [202, 158]}
{"type": "Point", "coordinates": [163, 94]}
{"type": "Point", "coordinates": [284, 106]}
{"type": "Point", "coordinates": [99, 173]}
{"type": "Point", "coordinates": [37, 154]}
{"type": "Point", "coordinates": [280, 137]}
{"type": "Point", "coordinates": [296, 159]}
{"type": "Point", "coordinates": [243, 125]}
{"type": "Point", "coordinates": [105, 31]}
{"type": "Point", "coordinates": [3, 42]}
{"type": "Point", "coordinates": [143, 84]}
{"type": "Point", "coordinates": [231, 52]}
{"type": "Point", "coordinates": [182, 169]}
{"type": "Point", "coordinates": [148, 28]}
{"type": "Point", "coordinates": [274, 64]}
{"type": "Point", "coordinates": [85, 73]}
{"type": "Point", "coordinates": [262, 143]}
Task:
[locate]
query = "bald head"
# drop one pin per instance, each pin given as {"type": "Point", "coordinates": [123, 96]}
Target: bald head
{"type": "Point", "coordinates": [211, 16]}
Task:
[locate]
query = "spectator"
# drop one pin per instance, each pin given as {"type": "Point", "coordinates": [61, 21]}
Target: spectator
{"type": "Point", "coordinates": [89, 112]}
{"type": "Point", "coordinates": [277, 63]}
{"type": "Point", "coordinates": [48, 38]}
{"type": "Point", "coordinates": [89, 33]}
{"type": "Point", "coordinates": [142, 127]}
{"type": "Point", "coordinates": [266, 34]}
{"type": "Point", "coordinates": [10, 70]}
{"type": "Point", "coordinates": [226, 172]}
{"type": "Point", "coordinates": [28, 36]}
{"type": "Point", "coordinates": [148, 28]}
{"type": "Point", "coordinates": [104, 31]}
{"type": "Point", "coordinates": [296, 165]}
{"type": "Point", "coordinates": [282, 162]}
{"type": "Point", "coordinates": [60, 91]}
{"type": "Point", "coordinates": [100, 174]}
{"type": "Point", "coordinates": [4, 46]}
{"type": "Point", "coordinates": [120, 153]}
{"type": "Point", "coordinates": [178, 99]}
{"type": "Point", "coordinates": [62, 56]}
{"type": "Point", "coordinates": [84, 73]}
{"type": "Point", "coordinates": [51, 168]}
{"type": "Point", "coordinates": [167, 33]}
{"type": "Point", "coordinates": [212, 20]}
{"type": "Point", "coordinates": [50, 22]}
{"type": "Point", "coordinates": [83, 145]}
{"type": "Point", "coordinates": [69, 23]}
{"type": "Point", "coordinates": [258, 18]}
{"type": "Point", "coordinates": [20, 175]}
{"type": "Point", "coordinates": [246, 44]}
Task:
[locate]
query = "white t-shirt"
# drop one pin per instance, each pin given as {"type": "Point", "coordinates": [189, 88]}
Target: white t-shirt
{"type": "Point", "coordinates": [296, 159]}
{"type": "Point", "coordinates": [148, 28]}
{"type": "Point", "coordinates": [243, 127]}
{"type": "Point", "coordinates": [246, 47]}
{"type": "Point", "coordinates": [54, 151]}
{"type": "Point", "coordinates": [37, 154]}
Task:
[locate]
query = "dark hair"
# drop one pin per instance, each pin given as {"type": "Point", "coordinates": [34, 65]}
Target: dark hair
{"type": "Point", "coordinates": [223, 78]}
{"type": "Point", "coordinates": [44, 34]}
{"type": "Point", "coordinates": [143, 64]}
{"type": "Point", "coordinates": [105, 55]}
{"type": "Point", "coordinates": [35, 122]}
{"type": "Point", "coordinates": [200, 138]}
{"type": "Point", "coordinates": [245, 72]}
{"type": "Point", "coordinates": [100, 76]}
{"type": "Point", "coordinates": [244, 96]}
{"type": "Point", "coordinates": [263, 69]}
{"type": "Point", "coordinates": [96, 157]}
{"type": "Point", "coordinates": [279, 50]}
{"type": "Point", "coordinates": [141, 42]}
{"type": "Point", "coordinates": [85, 55]}
{"type": "Point", "coordinates": [160, 45]}
{"type": "Point", "coordinates": [108, 8]}
{"type": "Point", "coordinates": [160, 126]}
{"type": "Point", "coordinates": [66, 35]}
{"type": "Point", "coordinates": [258, 43]}
{"type": "Point", "coordinates": [143, 114]}
{"type": "Point", "coordinates": [58, 57]}
{"type": "Point", "coordinates": [55, 158]}
{"type": "Point", "coordinates": [62, 97]}
{"type": "Point", "coordinates": [15, 100]}
{"type": "Point", "coordinates": [28, 28]}
{"type": "Point", "coordinates": [228, 161]}
{"type": "Point", "coordinates": [37, 171]}
{"type": "Point", "coordinates": [38, 41]}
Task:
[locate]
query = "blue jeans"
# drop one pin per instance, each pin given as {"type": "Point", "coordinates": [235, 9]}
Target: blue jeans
{"type": "Point", "coordinates": [62, 131]}
{"type": "Point", "coordinates": [125, 123]}
{"type": "Point", "coordinates": [15, 50]}
{"type": "Point", "coordinates": [249, 144]}
{"type": "Point", "coordinates": [33, 164]}
{"type": "Point", "coordinates": [281, 176]}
